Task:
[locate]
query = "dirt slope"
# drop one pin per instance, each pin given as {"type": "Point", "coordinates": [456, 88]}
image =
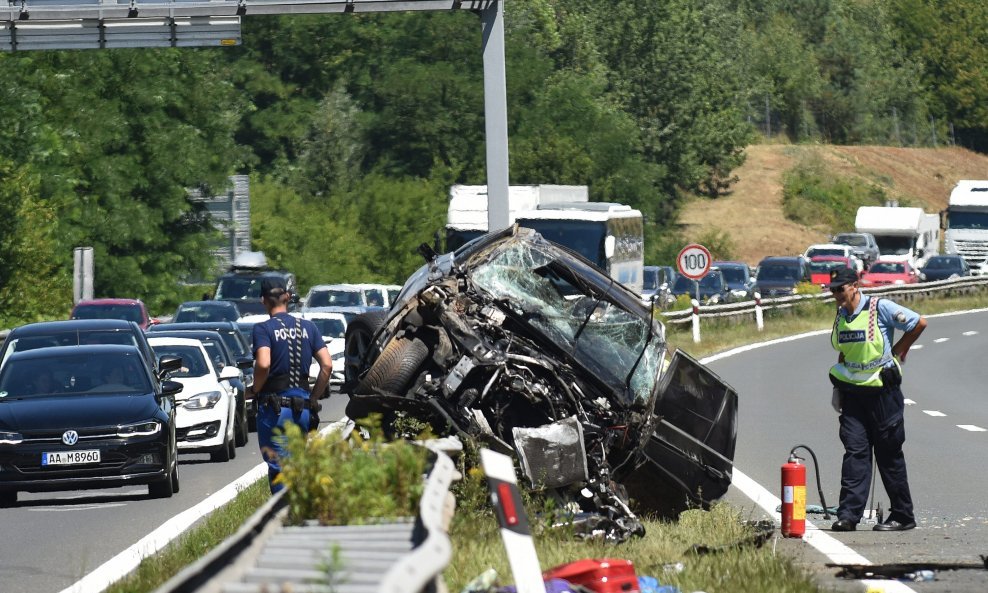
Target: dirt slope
{"type": "Point", "coordinates": [751, 215]}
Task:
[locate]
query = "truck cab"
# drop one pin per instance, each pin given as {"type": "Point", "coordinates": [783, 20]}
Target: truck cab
{"type": "Point", "coordinates": [967, 221]}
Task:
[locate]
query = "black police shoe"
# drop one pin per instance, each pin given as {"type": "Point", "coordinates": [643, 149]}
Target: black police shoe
{"type": "Point", "coordinates": [893, 525]}
{"type": "Point", "coordinates": [844, 525]}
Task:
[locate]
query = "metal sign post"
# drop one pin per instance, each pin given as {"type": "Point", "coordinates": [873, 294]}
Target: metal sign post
{"type": "Point", "coordinates": [82, 274]}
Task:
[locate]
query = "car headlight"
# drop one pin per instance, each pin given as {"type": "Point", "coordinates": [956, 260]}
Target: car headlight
{"type": "Point", "coordinates": [922, 276]}
{"type": "Point", "coordinates": [11, 438]}
{"type": "Point", "coordinates": [203, 401]}
{"type": "Point", "coordinates": [139, 429]}
{"type": "Point", "coordinates": [714, 299]}
{"type": "Point", "coordinates": [739, 293]}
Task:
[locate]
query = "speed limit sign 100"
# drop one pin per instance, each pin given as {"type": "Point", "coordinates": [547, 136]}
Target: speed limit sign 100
{"type": "Point", "coordinates": [694, 261]}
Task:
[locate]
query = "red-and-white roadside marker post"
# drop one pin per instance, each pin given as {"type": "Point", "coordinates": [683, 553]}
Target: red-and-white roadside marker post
{"type": "Point", "coordinates": [513, 520]}
{"type": "Point", "coordinates": [759, 321]}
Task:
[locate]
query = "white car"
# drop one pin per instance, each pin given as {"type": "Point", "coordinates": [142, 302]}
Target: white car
{"type": "Point", "coordinates": [206, 406]}
{"type": "Point", "coordinates": [332, 327]}
{"type": "Point", "coordinates": [835, 249]}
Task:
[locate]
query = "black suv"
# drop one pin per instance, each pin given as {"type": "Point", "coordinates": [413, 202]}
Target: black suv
{"type": "Point", "coordinates": [778, 276]}
{"type": "Point", "coordinates": [77, 332]}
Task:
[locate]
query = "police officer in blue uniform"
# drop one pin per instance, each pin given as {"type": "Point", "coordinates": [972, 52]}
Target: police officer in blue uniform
{"type": "Point", "coordinates": [867, 395]}
{"type": "Point", "coordinates": [283, 350]}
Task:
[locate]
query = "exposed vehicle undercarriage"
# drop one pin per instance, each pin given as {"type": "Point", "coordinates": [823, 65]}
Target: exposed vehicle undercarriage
{"type": "Point", "coordinates": [527, 348]}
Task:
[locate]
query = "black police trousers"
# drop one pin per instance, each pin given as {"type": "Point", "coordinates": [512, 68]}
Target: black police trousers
{"type": "Point", "coordinates": [873, 422]}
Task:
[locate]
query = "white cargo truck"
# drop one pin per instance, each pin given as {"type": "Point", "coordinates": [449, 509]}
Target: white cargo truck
{"type": "Point", "coordinates": [903, 234]}
{"type": "Point", "coordinates": [967, 221]}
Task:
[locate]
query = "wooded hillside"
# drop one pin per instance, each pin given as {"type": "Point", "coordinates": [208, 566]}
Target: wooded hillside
{"type": "Point", "coordinates": [354, 126]}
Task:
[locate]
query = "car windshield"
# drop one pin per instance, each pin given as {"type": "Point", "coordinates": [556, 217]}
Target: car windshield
{"type": "Point", "coordinates": [892, 245]}
{"type": "Point", "coordinates": [205, 313]}
{"type": "Point", "coordinates": [852, 240]}
{"type": "Point", "coordinates": [712, 282]}
{"type": "Point", "coordinates": [888, 268]}
{"type": "Point", "coordinates": [825, 251]}
{"type": "Point", "coordinates": [74, 374]}
{"type": "Point", "coordinates": [943, 263]}
{"type": "Point", "coordinates": [374, 296]}
{"type": "Point", "coordinates": [331, 328]}
{"type": "Point", "coordinates": [824, 267]}
{"type": "Point", "coordinates": [69, 338]}
{"type": "Point", "coordinates": [335, 298]}
{"type": "Point", "coordinates": [193, 362]}
{"type": "Point", "coordinates": [125, 312]}
{"type": "Point", "coordinates": [239, 287]}
{"type": "Point", "coordinates": [778, 272]}
{"type": "Point", "coordinates": [683, 285]}
{"type": "Point", "coordinates": [734, 275]}
{"type": "Point", "coordinates": [604, 338]}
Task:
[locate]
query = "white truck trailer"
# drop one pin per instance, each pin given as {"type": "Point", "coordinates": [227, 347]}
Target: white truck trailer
{"type": "Point", "coordinates": [905, 234]}
{"type": "Point", "coordinates": [466, 217]}
{"type": "Point", "coordinates": [609, 235]}
{"type": "Point", "coordinates": [967, 221]}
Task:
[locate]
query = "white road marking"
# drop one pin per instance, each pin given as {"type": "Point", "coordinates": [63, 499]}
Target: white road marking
{"type": "Point", "coordinates": [123, 563]}
{"type": "Point", "coordinates": [834, 549]}
{"type": "Point", "coordinates": [970, 333]}
{"type": "Point", "coordinates": [940, 340]}
{"type": "Point", "coordinates": [78, 507]}
{"type": "Point", "coordinates": [971, 428]}
{"type": "Point", "coordinates": [933, 413]}
{"type": "Point", "coordinates": [916, 347]}
{"type": "Point", "coordinates": [908, 402]}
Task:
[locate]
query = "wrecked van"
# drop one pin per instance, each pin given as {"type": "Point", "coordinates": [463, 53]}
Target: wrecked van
{"type": "Point", "coordinates": [530, 349]}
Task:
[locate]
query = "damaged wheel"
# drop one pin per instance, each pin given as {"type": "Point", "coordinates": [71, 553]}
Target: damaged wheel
{"type": "Point", "coordinates": [358, 342]}
{"type": "Point", "coordinates": [391, 372]}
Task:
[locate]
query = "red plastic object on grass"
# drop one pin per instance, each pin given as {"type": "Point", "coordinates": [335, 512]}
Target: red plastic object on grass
{"type": "Point", "coordinates": [601, 575]}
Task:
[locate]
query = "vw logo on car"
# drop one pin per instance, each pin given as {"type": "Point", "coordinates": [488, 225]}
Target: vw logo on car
{"type": "Point", "coordinates": [70, 437]}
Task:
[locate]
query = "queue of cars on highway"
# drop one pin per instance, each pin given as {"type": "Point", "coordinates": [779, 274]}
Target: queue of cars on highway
{"type": "Point", "coordinates": [774, 276]}
{"type": "Point", "coordinates": [112, 396]}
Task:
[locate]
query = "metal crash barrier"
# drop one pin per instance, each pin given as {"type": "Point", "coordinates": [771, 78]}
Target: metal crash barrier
{"type": "Point", "coordinates": [405, 555]}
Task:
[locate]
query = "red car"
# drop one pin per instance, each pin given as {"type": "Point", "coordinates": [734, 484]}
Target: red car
{"type": "Point", "coordinates": [885, 271]}
{"type": "Point", "coordinates": [821, 265]}
{"type": "Point", "coordinates": [126, 309]}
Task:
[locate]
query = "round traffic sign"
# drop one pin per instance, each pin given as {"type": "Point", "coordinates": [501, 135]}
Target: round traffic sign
{"type": "Point", "coordinates": [693, 261]}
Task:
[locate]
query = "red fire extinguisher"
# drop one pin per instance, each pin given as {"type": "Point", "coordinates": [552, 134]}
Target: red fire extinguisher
{"type": "Point", "coordinates": [793, 497]}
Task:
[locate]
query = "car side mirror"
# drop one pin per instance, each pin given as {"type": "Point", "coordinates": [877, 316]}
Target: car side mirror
{"type": "Point", "coordinates": [170, 387]}
{"type": "Point", "coordinates": [244, 363]}
{"type": "Point", "coordinates": [609, 243]}
{"type": "Point", "coordinates": [168, 364]}
{"type": "Point", "coordinates": [229, 372]}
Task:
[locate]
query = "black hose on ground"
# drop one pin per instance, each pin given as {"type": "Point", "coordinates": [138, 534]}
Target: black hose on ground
{"type": "Point", "coordinates": [816, 468]}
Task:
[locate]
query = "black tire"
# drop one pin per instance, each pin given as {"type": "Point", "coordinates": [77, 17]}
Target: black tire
{"type": "Point", "coordinates": [394, 368]}
{"type": "Point", "coordinates": [223, 453]}
{"type": "Point", "coordinates": [358, 342]}
{"type": "Point", "coordinates": [165, 488]}
{"type": "Point", "coordinates": [8, 498]}
{"type": "Point", "coordinates": [242, 432]}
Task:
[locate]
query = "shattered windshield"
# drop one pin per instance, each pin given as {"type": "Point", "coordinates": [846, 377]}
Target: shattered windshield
{"type": "Point", "coordinates": [560, 304]}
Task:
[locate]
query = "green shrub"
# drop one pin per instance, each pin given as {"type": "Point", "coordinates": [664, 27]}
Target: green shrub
{"type": "Point", "coordinates": [337, 482]}
{"type": "Point", "coordinates": [813, 197]}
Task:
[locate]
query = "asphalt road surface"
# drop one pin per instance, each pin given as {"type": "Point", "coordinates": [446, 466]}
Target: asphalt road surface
{"type": "Point", "coordinates": [51, 540]}
{"type": "Point", "coordinates": [784, 400]}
